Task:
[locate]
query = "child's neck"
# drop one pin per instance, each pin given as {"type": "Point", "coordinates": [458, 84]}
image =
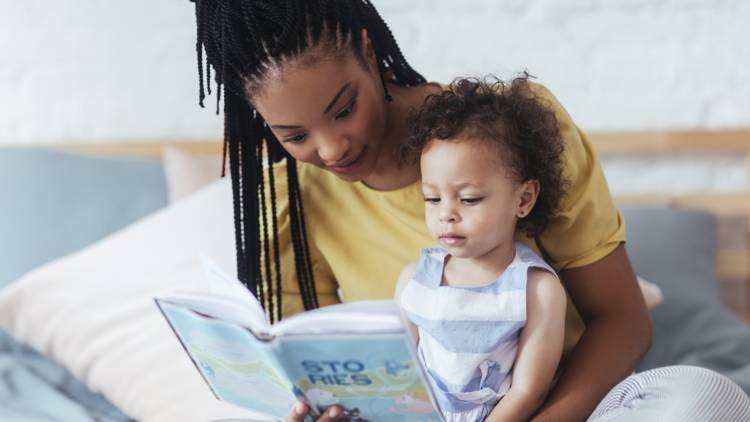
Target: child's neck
{"type": "Point", "coordinates": [480, 270]}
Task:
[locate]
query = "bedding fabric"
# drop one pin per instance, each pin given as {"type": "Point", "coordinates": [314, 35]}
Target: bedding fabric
{"type": "Point", "coordinates": [36, 389]}
{"type": "Point", "coordinates": [675, 248]}
{"type": "Point", "coordinates": [55, 203]}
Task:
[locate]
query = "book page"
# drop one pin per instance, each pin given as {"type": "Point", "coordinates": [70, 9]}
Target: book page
{"type": "Point", "coordinates": [223, 284]}
{"type": "Point", "coordinates": [371, 316]}
{"type": "Point", "coordinates": [238, 368]}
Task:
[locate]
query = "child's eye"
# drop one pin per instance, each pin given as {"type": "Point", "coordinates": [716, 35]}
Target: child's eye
{"type": "Point", "coordinates": [471, 201]}
{"type": "Point", "coordinates": [431, 200]}
{"type": "Point", "coordinates": [297, 139]}
{"type": "Point", "coordinates": [347, 111]}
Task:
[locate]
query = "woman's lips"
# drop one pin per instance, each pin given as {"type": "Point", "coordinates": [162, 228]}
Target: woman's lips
{"type": "Point", "coordinates": [452, 240]}
{"type": "Point", "coordinates": [350, 165]}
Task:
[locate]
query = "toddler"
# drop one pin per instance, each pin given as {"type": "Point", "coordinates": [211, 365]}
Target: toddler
{"type": "Point", "coordinates": [487, 312]}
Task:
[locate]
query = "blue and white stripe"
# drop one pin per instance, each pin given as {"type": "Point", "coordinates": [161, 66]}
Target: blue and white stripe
{"type": "Point", "coordinates": [468, 336]}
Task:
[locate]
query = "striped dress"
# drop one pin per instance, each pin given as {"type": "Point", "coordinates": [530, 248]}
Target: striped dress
{"type": "Point", "coordinates": [468, 336]}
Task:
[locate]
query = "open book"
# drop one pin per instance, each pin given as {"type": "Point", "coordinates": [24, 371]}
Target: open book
{"type": "Point", "coordinates": [358, 355]}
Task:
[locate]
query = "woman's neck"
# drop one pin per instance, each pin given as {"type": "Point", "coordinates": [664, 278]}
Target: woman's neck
{"type": "Point", "coordinates": [390, 172]}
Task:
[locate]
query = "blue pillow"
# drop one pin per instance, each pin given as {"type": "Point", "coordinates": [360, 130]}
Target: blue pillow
{"type": "Point", "coordinates": [55, 203]}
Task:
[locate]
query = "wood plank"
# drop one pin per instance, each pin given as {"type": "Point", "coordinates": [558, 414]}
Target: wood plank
{"type": "Point", "coordinates": [142, 149]}
{"type": "Point", "coordinates": [722, 204]}
{"type": "Point", "coordinates": [671, 142]}
{"type": "Point", "coordinates": [733, 264]}
{"type": "Point", "coordinates": [617, 143]}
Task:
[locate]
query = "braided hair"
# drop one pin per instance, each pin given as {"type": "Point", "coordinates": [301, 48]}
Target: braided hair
{"type": "Point", "coordinates": [243, 41]}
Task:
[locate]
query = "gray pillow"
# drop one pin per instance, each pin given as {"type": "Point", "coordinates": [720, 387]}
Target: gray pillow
{"type": "Point", "coordinates": [55, 203]}
{"type": "Point", "coordinates": [676, 248]}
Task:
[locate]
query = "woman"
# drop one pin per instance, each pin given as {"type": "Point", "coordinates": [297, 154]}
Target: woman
{"type": "Point", "coordinates": [321, 89]}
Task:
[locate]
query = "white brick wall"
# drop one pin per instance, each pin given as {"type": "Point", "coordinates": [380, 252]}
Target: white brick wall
{"type": "Point", "coordinates": [78, 70]}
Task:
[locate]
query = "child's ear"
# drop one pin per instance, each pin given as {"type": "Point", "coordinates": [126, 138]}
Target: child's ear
{"type": "Point", "coordinates": [527, 192]}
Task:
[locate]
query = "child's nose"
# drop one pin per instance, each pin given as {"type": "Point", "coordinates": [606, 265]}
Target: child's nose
{"type": "Point", "coordinates": [448, 214]}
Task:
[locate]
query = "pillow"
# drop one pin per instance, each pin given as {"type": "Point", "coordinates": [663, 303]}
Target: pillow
{"type": "Point", "coordinates": [55, 203]}
{"type": "Point", "coordinates": [93, 310]}
{"type": "Point", "coordinates": [651, 292]}
{"type": "Point", "coordinates": [188, 171]}
{"type": "Point", "coordinates": [677, 248]}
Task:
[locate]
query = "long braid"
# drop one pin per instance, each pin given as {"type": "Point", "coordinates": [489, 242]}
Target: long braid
{"type": "Point", "coordinates": [199, 51]}
{"type": "Point", "coordinates": [308, 261]}
{"type": "Point", "coordinates": [274, 228]}
{"type": "Point", "coordinates": [305, 263]}
{"type": "Point", "coordinates": [242, 40]}
{"type": "Point", "coordinates": [265, 295]}
{"type": "Point", "coordinates": [237, 181]}
{"type": "Point", "coordinates": [302, 275]}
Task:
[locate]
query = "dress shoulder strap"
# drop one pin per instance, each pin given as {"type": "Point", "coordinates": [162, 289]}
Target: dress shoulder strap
{"type": "Point", "coordinates": [430, 267]}
{"type": "Point", "coordinates": [528, 256]}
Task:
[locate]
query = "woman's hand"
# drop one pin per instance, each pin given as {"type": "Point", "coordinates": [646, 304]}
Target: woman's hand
{"type": "Point", "coordinates": [299, 411]}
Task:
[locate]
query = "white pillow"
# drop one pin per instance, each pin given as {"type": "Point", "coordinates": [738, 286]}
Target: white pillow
{"type": "Point", "coordinates": [187, 171]}
{"type": "Point", "coordinates": [93, 311]}
{"type": "Point", "coordinates": [651, 292]}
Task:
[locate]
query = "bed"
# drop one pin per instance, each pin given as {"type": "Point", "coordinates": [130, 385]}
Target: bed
{"type": "Point", "coordinates": [87, 241]}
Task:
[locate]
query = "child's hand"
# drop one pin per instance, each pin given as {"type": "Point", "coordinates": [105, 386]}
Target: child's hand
{"type": "Point", "coordinates": [299, 411]}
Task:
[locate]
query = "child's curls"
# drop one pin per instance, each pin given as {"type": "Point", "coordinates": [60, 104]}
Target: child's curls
{"type": "Point", "coordinates": [508, 115]}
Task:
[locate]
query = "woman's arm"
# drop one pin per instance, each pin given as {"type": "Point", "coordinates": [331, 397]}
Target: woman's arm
{"type": "Point", "coordinates": [618, 334]}
{"type": "Point", "coordinates": [539, 349]}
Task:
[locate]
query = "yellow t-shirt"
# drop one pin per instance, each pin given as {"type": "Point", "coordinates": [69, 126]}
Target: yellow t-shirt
{"type": "Point", "coordinates": [360, 238]}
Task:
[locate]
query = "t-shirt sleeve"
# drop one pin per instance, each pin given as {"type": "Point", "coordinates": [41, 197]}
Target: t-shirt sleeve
{"type": "Point", "coordinates": [325, 284]}
{"type": "Point", "coordinates": [588, 226]}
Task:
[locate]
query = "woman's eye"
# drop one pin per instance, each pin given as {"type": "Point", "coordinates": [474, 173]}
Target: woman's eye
{"type": "Point", "coordinates": [471, 201]}
{"type": "Point", "coordinates": [347, 111]}
{"type": "Point", "coordinates": [431, 200]}
{"type": "Point", "coordinates": [296, 139]}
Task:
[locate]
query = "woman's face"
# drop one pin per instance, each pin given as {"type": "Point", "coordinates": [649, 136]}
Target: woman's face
{"type": "Point", "coordinates": [329, 112]}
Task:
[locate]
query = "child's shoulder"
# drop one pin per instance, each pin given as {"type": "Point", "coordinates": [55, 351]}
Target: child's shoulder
{"type": "Point", "coordinates": [543, 286]}
{"type": "Point", "coordinates": [407, 273]}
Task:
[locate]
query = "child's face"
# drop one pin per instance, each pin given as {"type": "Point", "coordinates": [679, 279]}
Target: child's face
{"type": "Point", "coordinates": [471, 201]}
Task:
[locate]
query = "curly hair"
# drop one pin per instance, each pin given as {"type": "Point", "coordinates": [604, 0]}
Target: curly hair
{"type": "Point", "coordinates": [509, 116]}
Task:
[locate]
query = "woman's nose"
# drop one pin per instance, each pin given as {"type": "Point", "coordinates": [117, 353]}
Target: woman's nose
{"type": "Point", "coordinates": [333, 149]}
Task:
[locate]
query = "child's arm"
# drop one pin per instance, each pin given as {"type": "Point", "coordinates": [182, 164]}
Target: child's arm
{"type": "Point", "coordinates": [539, 349]}
{"type": "Point", "coordinates": [403, 279]}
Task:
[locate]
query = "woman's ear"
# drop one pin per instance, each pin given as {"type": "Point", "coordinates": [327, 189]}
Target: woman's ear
{"type": "Point", "coordinates": [527, 193]}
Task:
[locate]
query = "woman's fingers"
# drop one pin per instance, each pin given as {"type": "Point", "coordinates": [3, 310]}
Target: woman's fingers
{"type": "Point", "coordinates": [299, 411]}
{"type": "Point", "coordinates": [331, 414]}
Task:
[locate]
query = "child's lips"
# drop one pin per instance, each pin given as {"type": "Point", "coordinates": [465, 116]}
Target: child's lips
{"type": "Point", "coordinates": [451, 239]}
